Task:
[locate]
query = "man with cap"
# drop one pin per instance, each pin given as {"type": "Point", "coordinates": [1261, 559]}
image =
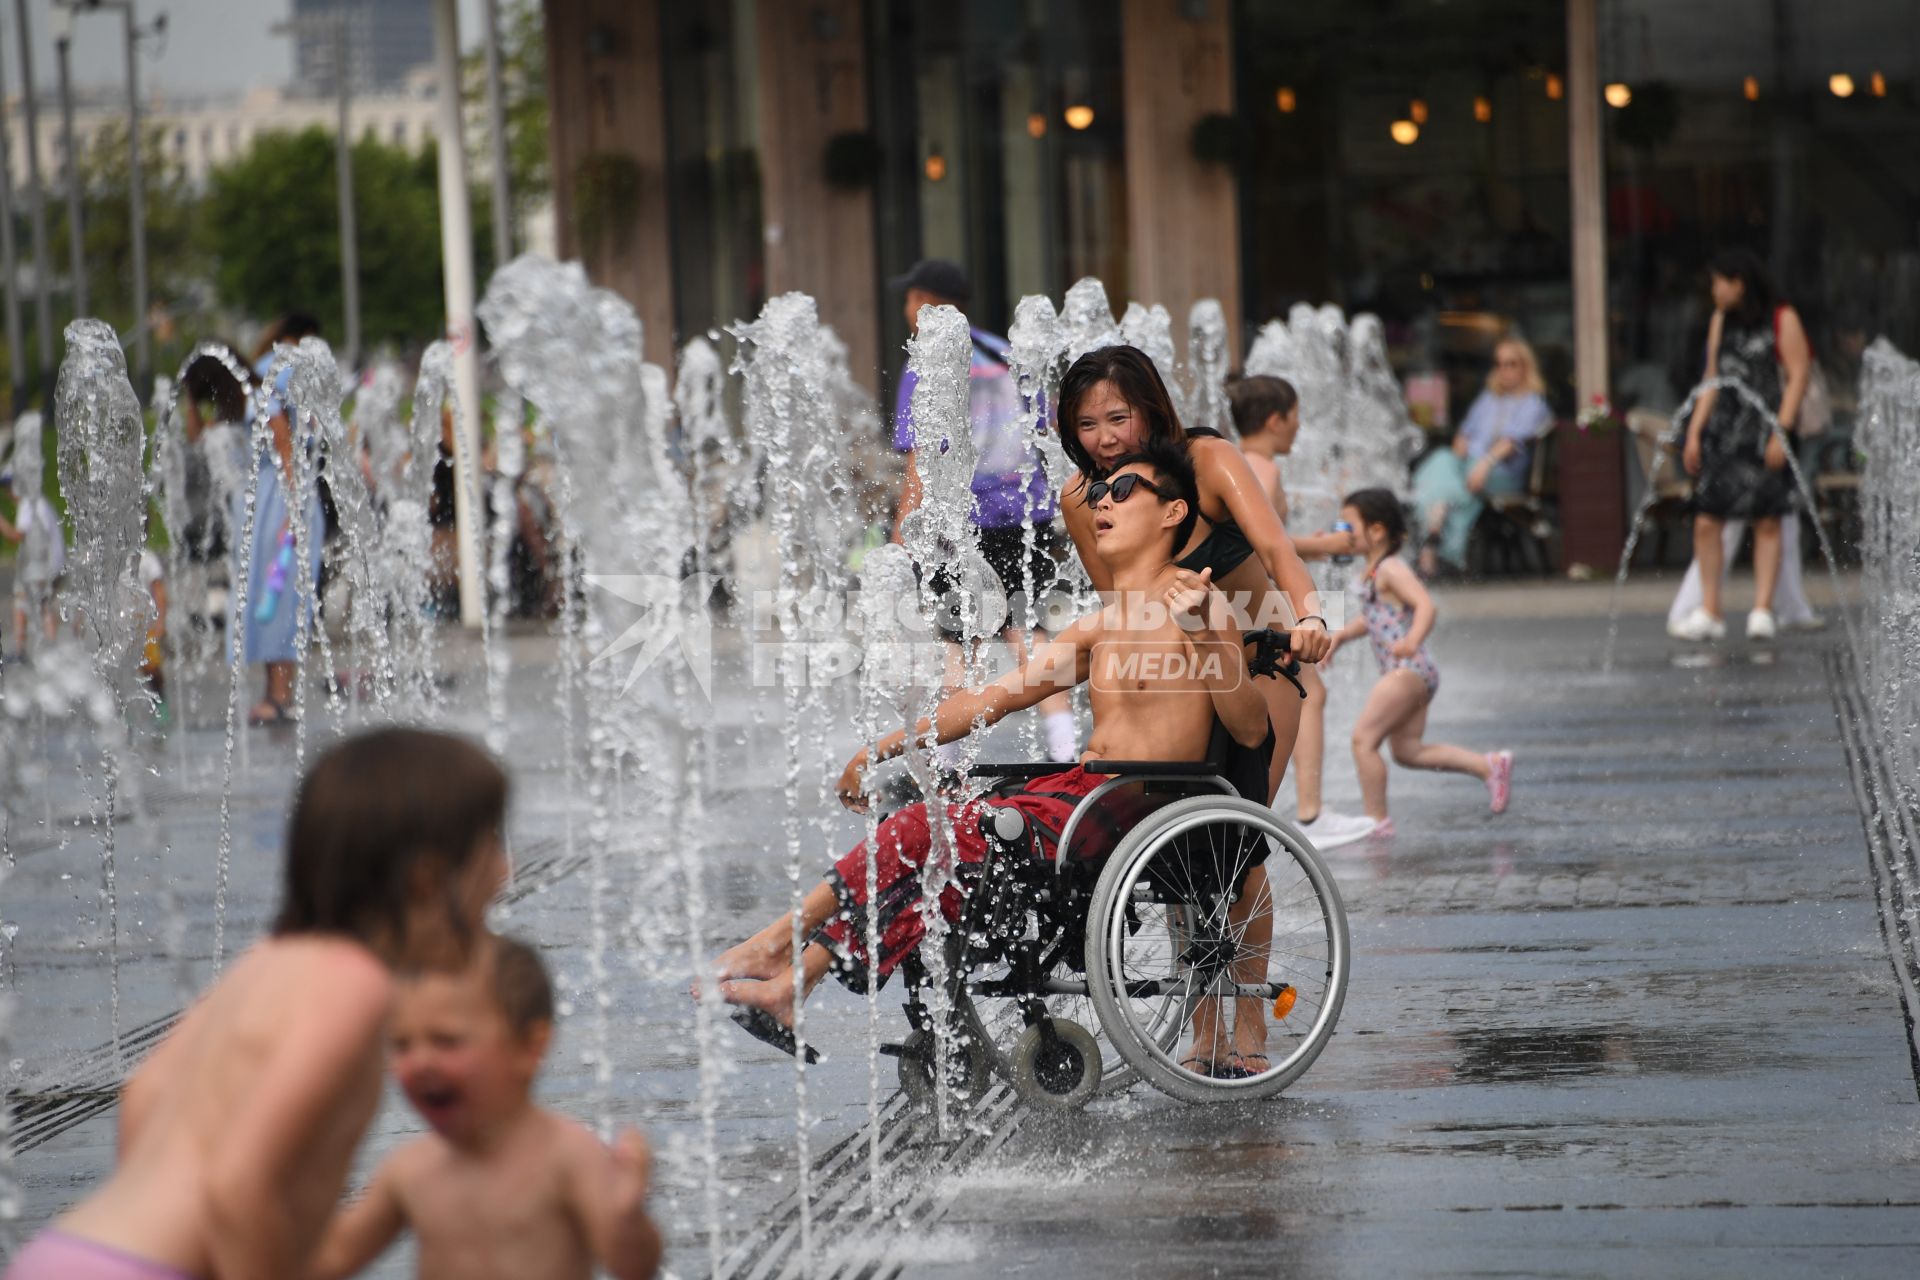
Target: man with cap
{"type": "Point", "coordinates": [1010, 487]}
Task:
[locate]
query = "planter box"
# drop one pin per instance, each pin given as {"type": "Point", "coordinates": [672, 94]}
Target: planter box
{"type": "Point", "coordinates": [1593, 496]}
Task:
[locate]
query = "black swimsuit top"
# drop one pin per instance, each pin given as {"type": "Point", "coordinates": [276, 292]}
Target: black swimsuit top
{"type": "Point", "coordinates": [1225, 545]}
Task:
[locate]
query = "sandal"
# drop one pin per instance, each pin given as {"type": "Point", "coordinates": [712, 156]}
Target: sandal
{"type": "Point", "coordinates": [279, 714]}
{"type": "Point", "coordinates": [1201, 1066]}
{"type": "Point", "coordinates": [1239, 1066]}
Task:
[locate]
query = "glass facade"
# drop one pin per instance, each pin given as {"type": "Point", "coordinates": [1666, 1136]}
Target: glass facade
{"type": "Point", "coordinates": [1001, 127]}
{"type": "Point", "coordinates": [1790, 127]}
{"type": "Point", "coordinates": [713, 188]}
{"type": "Point", "coordinates": [1405, 157]}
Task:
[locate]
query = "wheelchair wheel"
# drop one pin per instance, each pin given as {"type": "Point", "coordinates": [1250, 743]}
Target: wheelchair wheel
{"type": "Point", "coordinates": [1186, 945]}
{"type": "Point", "coordinates": [1061, 1070]}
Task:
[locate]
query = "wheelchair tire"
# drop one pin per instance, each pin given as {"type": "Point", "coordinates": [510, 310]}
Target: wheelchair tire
{"type": "Point", "coordinates": [1063, 1072]}
{"type": "Point", "coordinates": [1159, 926]}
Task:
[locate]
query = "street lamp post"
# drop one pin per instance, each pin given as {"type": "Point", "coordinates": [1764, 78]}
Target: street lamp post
{"type": "Point", "coordinates": [497, 128]}
{"type": "Point", "coordinates": [7, 263]}
{"type": "Point", "coordinates": [456, 258]}
{"type": "Point", "coordinates": [339, 19]}
{"type": "Point", "coordinates": [76, 228]}
{"type": "Point", "coordinates": [36, 202]}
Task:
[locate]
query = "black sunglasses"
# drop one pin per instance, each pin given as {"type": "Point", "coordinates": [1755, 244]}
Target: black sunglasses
{"type": "Point", "coordinates": [1121, 487]}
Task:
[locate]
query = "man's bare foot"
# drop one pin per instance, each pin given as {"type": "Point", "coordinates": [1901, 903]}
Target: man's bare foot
{"type": "Point", "coordinates": [760, 957]}
{"type": "Point", "coordinates": [772, 995]}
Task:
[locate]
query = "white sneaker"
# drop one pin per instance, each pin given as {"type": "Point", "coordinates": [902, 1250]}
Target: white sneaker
{"type": "Point", "coordinates": [1812, 622]}
{"type": "Point", "coordinates": [1761, 626]}
{"type": "Point", "coordinates": [1330, 830]}
{"type": "Point", "coordinates": [1698, 626]}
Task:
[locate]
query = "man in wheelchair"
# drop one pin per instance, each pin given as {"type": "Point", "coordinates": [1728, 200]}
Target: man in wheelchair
{"type": "Point", "coordinates": [1166, 669]}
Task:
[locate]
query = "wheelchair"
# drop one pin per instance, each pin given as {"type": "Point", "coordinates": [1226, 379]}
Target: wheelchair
{"type": "Point", "coordinates": [1174, 900]}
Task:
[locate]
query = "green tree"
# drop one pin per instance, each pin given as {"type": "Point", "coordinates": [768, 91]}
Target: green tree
{"type": "Point", "coordinates": [273, 232]}
{"type": "Point", "coordinates": [175, 266]}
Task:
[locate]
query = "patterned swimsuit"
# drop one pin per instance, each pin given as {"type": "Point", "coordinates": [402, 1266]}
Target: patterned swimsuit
{"type": "Point", "coordinates": [1387, 623]}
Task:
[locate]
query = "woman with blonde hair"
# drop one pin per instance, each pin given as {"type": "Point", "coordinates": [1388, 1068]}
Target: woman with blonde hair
{"type": "Point", "coordinates": [1491, 454]}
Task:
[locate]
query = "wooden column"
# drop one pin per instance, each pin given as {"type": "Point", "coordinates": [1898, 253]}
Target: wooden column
{"type": "Point", "coordinates": [1183, 216]}
{"type": "Point", "coordinates": [813, 85]}
{"type": "Point", "coordinates": [1587, 202]}
{"type": "Point", "coordinates": [609, 147]}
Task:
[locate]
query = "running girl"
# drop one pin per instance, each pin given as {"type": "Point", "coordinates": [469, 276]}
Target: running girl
{"type": "Point", "coordinates": [1397, 615]}
{"type": "Point", "coordinates": [237, 1133]}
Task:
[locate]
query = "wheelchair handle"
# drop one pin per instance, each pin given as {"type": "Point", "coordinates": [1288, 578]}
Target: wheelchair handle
{"type": "Point", "coordinates": [1272, 656]}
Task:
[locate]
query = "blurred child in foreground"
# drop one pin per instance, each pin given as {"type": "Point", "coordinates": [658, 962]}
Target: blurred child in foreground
{"type": "Point", "coordinates": [236, 1134]}
{"type": "Point", "coordinates": [501, 1187]}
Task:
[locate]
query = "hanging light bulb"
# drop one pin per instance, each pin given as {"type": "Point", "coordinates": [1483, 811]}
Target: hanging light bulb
{"type": "Point", "coordinates": [1618, 95]}
{"type": "Point", "coordinates": [1556, 87]}
{"type": "Point", "coordinates": [936, 166]}
{"type": "Point", "coordinates": [1079, 116]}
{"type": "Point", "coordinates": [1417, 110]}
{"type": "Point", "coordinates": [1482, 108]}
{"type": "Point", "coordinates": [1036, 125]}
{"type": "Point", "coordinates": [1405, 132]}
{"type": "Point", "coordinates": [1841, 83]}
{"type": "Point", "coordinates": [1877, 85]}
{"type": "Point", "coordinates": [1285, 100]}
{"type": "Point", "coordinates": [1751, 88]}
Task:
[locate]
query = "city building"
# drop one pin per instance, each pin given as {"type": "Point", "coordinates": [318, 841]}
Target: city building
{"type": "Point", "coordinates": [386, 41]}
{"type": "Point", "coordinates": [200, 135]}
{"type": "Point", "coordinates": [1414, 158]}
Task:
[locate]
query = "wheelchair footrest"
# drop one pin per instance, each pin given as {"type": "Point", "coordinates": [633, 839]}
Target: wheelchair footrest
{"type": "Point", "coordinates": [902, 1051]}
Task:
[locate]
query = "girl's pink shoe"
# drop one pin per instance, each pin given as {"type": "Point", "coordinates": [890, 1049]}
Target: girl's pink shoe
{"type": "Point", "coordinates": [1382, 830]}
{"type": "Point", "coordinates": [1500, 779]}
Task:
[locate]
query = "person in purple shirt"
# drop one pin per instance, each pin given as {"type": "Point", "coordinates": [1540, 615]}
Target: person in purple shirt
{"type": "Point", "coordinates": [1010, 489]}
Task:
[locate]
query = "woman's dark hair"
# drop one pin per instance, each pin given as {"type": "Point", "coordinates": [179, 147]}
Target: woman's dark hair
{"type": "Point", "coordinates": [209, 379]}
{"type": "Point", "coordinates": [1757, 296]}
{"type": "Point", "coordinates": [372, 817]}
{"type": "Point", "coordinates": [1256, 398]}
{"type": "Point", "coordinates": [1133, 375]}
{"type": "Point", "coordinates": [1172, 469]}
{"type": "Point", "coordinates": [1379, 506]}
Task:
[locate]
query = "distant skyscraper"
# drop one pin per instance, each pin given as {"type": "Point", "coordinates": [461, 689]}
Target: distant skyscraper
{"type": "Point", "coordinates": [386, 39]}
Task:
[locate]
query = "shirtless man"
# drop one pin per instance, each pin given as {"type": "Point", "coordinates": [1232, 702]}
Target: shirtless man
{"type": "Point", "coordinates": [1143, 510]}
{"type": "Point", "coordinates": [501, 1187]}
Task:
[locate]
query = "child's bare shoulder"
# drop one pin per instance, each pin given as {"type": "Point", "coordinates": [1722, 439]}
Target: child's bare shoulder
{"type": "Point", "coordinates": [342, 973]}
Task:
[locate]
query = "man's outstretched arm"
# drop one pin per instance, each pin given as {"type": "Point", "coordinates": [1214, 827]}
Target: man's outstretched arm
{"type": "Point", "coordinates": [1059, 664]}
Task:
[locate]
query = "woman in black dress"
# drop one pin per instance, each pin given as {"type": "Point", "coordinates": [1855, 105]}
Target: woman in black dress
{"type": "Point", "coordinates": [1738, 461]}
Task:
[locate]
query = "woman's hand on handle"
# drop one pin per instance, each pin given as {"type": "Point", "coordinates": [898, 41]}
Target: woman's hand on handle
{"type": "Point", "coordinates": [1311, 641]}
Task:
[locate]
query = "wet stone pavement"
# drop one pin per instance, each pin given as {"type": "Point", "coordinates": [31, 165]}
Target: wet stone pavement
{"type": "Point", "coordinates": [1645, 1023]}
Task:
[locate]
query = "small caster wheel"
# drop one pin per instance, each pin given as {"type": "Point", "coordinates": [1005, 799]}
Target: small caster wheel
{"type": "Point", "coordinates": [916, 1069]}
{"type": "Point", "coordinates": [1062, 1071]}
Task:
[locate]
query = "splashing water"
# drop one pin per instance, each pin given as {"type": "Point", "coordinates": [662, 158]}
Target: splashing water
{"type": "Point", "coordinates": [1354, 429]}
{"type": "Point", "coordinates": [1207, 362]}
{"type": "Point", "coordinates": [1887, 433]}
{"type": "Point", "coordinates": [1086, 319]}
{"type": "Point", "coordinates": [101, 441]}
{"type": "Point", "coordinates": [1151, 330]}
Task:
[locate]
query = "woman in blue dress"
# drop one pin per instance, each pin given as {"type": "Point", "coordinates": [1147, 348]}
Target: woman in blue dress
{"type": "Point", "coordinates": [276, 593]}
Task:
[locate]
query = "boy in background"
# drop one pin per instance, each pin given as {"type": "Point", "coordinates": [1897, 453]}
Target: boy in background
{"type": "Point", "coordinates": [1266, 413]}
